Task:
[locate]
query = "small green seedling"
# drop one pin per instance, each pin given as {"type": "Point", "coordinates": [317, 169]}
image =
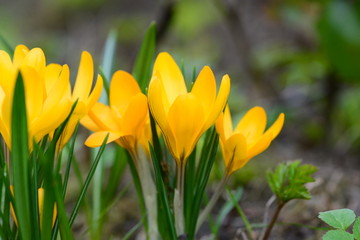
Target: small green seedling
{"type": "Point", "coordinates": [341, 220]}
{"type": "Point", "coordinates": [287, 182]}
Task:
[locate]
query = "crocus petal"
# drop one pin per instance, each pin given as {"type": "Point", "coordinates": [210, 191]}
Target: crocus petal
{"type": "Point", "coordinates": [87, 122]}
{"type": "Point", "coordinates": [260, 146]}
{"type": "Point", "coordinates": [135, 115]}
{"type": "Point", "coordinates": [220, 102]}
{"type": "Point", "coordinates": [56, 108]}
{"type": "Point", "coordinates": [96, 92]}
{"type": "Point", "coordinates": [84, 77]}
{"type": "Point", "coordinates": [4, 128]}
{"type": "Point", "coordinates": [234, 152]}
{"type": "Point", "coordinates": [277, 126]}
{"type": "Point", "coordinates": [96, 139]}
{"type": "Point", "coordinates": [36, 59]}
{"type": "Point", "coordinates": [123, 87]}
{"type": "Point", "coordinates": [60, 88]}
{"type": "Point", "coordinates": [252, 125]}
{"type": "Point", "coordinates": [186, 118]}
{"type": "Point", "coordinates": [51, 76]}
{"type": "Point", "coordinates": [170, 76]}
{"type": "Point", "coordinates": [19, 54]}
{"type": "Point", "coordinates": [103, 117]}
{"type": "Point", "coordinates": [7, 72]}
{"type": "Point", "coordinates": [156, 105]}
{"type": "Point", "coordinates": [34, 92]}
{"type": "Point", "coordinates": [205, 89]}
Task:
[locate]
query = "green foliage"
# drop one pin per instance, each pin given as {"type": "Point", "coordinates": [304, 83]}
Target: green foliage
{"type": "Point", "coordinates": [341, 44]}
{"type": "Point", "coordinates": [356, 228]}
{"type": "Point", "coordinates": [202, 173]}
{"type": "Point", "coordinates": [338, 235]}
{"type": "Point", "coordinates": [143, 63]}
{"type": "Point", "coordinates": [288, 181]}
{"type": "Point", "coordinates": [20, 161]}
{"type": "Point", "coordinates": [341, 220]}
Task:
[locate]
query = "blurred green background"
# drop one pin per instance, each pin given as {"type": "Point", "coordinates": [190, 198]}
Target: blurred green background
{"type": "Point", "coordinates": [300, 57]}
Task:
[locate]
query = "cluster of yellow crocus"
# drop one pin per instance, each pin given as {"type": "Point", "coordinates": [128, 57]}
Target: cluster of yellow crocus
{"type": "Point", "coordinates": [48, 93]}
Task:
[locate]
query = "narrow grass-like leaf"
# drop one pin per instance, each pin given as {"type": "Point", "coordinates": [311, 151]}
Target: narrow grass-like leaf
{"type": "Point", "coordinates": [241, 213]}
{"type": "Point", "coordinates": [162, 197]}
{"type": "Point", "coordinates": [65, 230]}
{"type": "Point", "coordinates": [20, 160]}
{"type": "Point", "coordinates": [142, 66]}
{"type": "Point", "coordinates": [225, 210]}
{"type": "Point", "coordinates": [105, 82]}
{"type": "Point", "coordinates": [109, 54]}
{"type": "Point", "coordinates": [87, 182]}
{"type": "Point", "coordinates": [116, 172]}
{"type": "Point", "coordinates": [131, 232]}
{"type": "Point", "coordinates": [47, 161]}
{"type": "Point", "coordinates": [70, 158]}
{"type": "Point", "coordinates": [206, 162]}
{"type": "Point", "coordinates": [66, 176]}
{"type": "Point", "coordinates": [189, 185]}
{"type": "Point", "coordinates": [5, 200]}
{"type": "Point", "coordinates": [34, 190]}
{"type": "Point", "coordinates": [6, 45]}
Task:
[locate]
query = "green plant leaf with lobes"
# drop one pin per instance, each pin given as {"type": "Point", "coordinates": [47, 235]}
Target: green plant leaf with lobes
{"type": "Point", "coordinates": [356, 229]}
{"type": "Point", "coordinates": [339, 218]}
{"type": "Point", "coordinates": [338, 235]}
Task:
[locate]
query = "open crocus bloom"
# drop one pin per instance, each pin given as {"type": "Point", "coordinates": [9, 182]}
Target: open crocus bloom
{"type": "Point", "coordinates": [248, 139]}
{"type": "Point", "coordinates": [181, 115]}
{"type": "Point", "coordinates": [47, 92]}
{"type": "Point", "coordinates": [82, 94]}
{"type": "Point", "coordinates": [126, 120]}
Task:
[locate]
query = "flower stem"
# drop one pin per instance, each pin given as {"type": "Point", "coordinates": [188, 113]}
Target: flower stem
{"type": "Point", "coordinates": [280, 205]}
{"type": "Point", "coordinates": [219, 190]}
{"type": "Point", "coordinates": [179, 199]}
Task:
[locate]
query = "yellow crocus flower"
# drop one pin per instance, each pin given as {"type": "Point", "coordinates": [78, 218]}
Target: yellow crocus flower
{"type": "Point", "coordinates": [126, 120]}
{"type": "Point", "coordinates": [40, 206]}
{"type": "Point", "coordinates": [248, 139]}
{"type": "Point", "coordinates": [47, 92]}
{"type": "Point", "coordinates": [181, 115]}
{"type": "Point", "coordinates": [82, 94]}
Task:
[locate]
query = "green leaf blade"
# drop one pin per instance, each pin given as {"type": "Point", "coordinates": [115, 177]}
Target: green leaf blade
{"type": "Point", "coordinates": [338, 235]}
{"type": "Point", "coordinates": [339, 218]}
{"type": "Point", "coordinates": [356, 229]}
{"type": "Point", "coordinates": [142, 66]}
{"type": "Point", "coordinates": [20, 159]}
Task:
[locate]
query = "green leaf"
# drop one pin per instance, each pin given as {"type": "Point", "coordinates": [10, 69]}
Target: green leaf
{"type": "Point", "coordinates": [338, 235]}
{"type": "Point", "coordinates": [339, 218]}
{"type": "Point", "coordinates": [226, 209]}
{"type": "Point", "coordinates": [341, 44]}
{"type": "Point", "coordinates": [87, 182]}
{"type": "Point", "coordinates": [142, 66]}
{"type": "Point", "coordinates": [20, 160]}
{"type": "Point", "coordinates": [356, 229]}
{"type": "Point", "coordinates": [7, 47]}
{"type": "Point", "coordinates": [288, 181]}
{"type": "Point", "coordinates": [206, 163]}
{"type": "Point", "coordinates": [162, 198]}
